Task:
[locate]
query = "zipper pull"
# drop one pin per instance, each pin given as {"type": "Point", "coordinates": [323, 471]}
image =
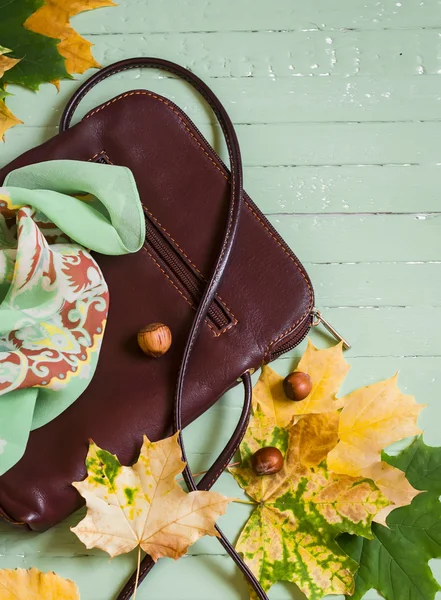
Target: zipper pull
{"type": "Point", "coordinates": [318, 319]}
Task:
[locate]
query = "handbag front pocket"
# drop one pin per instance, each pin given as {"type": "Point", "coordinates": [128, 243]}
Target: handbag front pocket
{"type": "Point", "coordinates": [184, 275]}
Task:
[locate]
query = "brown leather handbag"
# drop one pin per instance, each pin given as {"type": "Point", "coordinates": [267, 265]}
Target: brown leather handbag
{"type": "Point", "coordinates": [212, 268]}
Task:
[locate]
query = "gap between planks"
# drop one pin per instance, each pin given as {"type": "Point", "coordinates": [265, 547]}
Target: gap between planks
{"type": "Point", "coordinates": [257, 31]}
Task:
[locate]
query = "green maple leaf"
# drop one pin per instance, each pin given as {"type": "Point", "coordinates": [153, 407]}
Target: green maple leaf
{"type": "Point", "coordinates": [40, 59]}
{"type": "Point", "coordinates": [422, 465]}
{"type": "Point", "coordinates": [395, 562]}
{"type": "Point", "coordinates": [300, 510]}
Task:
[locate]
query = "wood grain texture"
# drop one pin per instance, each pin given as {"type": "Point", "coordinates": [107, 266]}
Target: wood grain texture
{"type": "Point", "coordinates": [207, 15]}
{"type": "Point", "coordinates": [338, 111]}
{"type": "Point", "coordinates": [307, 144]}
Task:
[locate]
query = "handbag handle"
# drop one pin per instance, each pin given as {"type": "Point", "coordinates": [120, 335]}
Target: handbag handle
{"type": "Point", "coordinates": [235, 204]}
{"type": "Point", "coordinates": [207, 481]}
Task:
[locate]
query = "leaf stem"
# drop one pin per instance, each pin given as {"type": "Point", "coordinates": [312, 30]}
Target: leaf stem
{"type": "Point", "coordinates": [137, 572]}
{"type": "Point", "coordinates": [244, 501]}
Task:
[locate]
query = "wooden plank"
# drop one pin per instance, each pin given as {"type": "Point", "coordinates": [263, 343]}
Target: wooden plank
{"type": "Point", "coordinates": [382, 332]}
{"type": "Point", "coordinates": [204, 15]}
{"type": "Point", "coordinates": [285, 54]}
{"type": "Point", "coordinates": [300, 144]}
{"type": "Point", "coordinates": [361, 238]}
{"type": "Point", "coordinates": [286, 99]}
{"type": "Point", "coordinates": [376, 284]}
{"type": "Point", "coordinates": [347, 189]}
{"type": "Point", "coordinates": [340, 143]}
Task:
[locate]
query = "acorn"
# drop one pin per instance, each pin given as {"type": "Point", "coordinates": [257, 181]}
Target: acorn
{"type": "Point", "coordinates": [267, 461]}
{"type": "Point", "coordinates": [297, 385]}
{"type": "Point", "coordinates": [155, 339]}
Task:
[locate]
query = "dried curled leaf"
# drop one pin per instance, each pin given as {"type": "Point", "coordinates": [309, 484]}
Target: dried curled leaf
{"type": "Point", "coordinates": [291, 534]}
{"type": "Point", "coordinates": [22, 584]}
{"type": "Point", "coordinates": [52, 20]}
{"type": "Point", "coordinates": [373, 417]}
{"type": "Point", "coordinates": [143, 505]}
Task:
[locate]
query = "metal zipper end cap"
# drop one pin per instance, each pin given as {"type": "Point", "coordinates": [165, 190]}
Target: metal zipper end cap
{"type": "Point", "coordinates": [317, 319]}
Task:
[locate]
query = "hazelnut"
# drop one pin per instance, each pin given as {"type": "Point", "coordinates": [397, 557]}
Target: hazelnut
{"type": "Point", "coordinates": [155, 339]}
{"type": "Point", "coordinates": [297, 385]}
{"type": "Point", "coordinates": [267, 461]}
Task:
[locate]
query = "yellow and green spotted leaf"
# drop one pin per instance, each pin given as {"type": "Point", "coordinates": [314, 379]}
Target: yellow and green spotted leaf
{"type": "Point", "coordinates": [143, 505]}
{"type": "Point", "coordinates": [300, 510]}
{"type": "Point", "coordinates": [333, 480]}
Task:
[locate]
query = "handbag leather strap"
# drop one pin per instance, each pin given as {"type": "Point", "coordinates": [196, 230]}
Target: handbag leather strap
{"type": "Point", "coordinates": [235, 204]}
{"type": "Point", "coordinates": [209, 479]}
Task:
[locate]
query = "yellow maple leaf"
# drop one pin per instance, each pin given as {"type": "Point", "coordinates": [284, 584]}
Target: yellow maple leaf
{"type": "Point", "coordinates": [269, 395]}
{"type": "Point", "coordinates": [22, 584]}
{"type": "Point", "coordinates": [373, 417]}
{"type": "Point", "coordinates": [7, 63]}
{"type": "Point", "coordinates": [393, 485]}
{"type": "Point", "coordinates": [7, 119]}
{"type": "Point", "coordinates": [52, 20]}
{"type": "Point", "coordinates": [143, 506]}
{"type": "Point", "coordinates": [327, 369]}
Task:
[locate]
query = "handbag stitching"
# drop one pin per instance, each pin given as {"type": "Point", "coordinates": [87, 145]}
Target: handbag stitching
{"type": "Point", "coordinates": [179, 248]}
{"type": "Point", "coordinates": [4, 516]}
{"type": "Point", "coordinates": [102, 153]}
{"type": "Point", "coordinates": [250, 208]}
{"type": "Point", "coordinates": [216, 333]}
{"type": "Point", "coordinates": [171, 238]}
{"type": "Point", "coordinates": [292, 327]}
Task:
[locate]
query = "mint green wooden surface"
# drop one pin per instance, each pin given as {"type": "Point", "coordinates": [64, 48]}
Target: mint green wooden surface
{"type": "Point", "coordinates": [338, 111]}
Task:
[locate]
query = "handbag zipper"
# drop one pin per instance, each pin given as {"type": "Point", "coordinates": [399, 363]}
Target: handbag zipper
{"type": "Point", "coordinates": [318, 319]}
{"type": "Point", "coordinates": [313, 319]}
{"type": "Point", "coordinates": [192, 282]}
{"type": "Point", "coordinates": [295, 339]}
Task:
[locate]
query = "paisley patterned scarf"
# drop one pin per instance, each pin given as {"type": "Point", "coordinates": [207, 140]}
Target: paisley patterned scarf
{"type": "Point", "coordinates": [53, 297]}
